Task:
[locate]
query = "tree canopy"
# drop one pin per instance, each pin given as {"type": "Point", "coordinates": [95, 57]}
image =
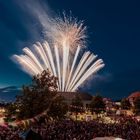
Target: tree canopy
{"type": "Point", "coordinates": [97, 104]}
{"type": "Point", "coordinates": [125, 104]}
{"type": "Point", "coordinates": [40, 96]}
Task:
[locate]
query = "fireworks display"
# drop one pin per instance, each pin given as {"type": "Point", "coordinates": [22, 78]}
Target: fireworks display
{"type": "Point", "coordinates": [62, 55]}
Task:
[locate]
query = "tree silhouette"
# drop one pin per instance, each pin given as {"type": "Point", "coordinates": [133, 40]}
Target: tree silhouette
{"type": "Point", "coordinates": [40, 96]}
{"type": "Point", "coordinates": [97, 105]}
{"type": "Point", "coordinates": [125, 104]}
{"type": "Point", "coordinates": [58, 108]}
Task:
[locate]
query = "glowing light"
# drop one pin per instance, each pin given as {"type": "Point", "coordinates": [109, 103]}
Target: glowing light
{"type": "Point", "coordinates": [68, 80]}
{"type": "Point", "coordinates": [67, 37]}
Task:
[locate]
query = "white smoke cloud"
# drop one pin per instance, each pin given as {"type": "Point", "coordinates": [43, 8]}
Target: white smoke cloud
{"type": "Point", "coordinates": [38, 15]}
{"type": "Point", "coordinates": [96, 81]}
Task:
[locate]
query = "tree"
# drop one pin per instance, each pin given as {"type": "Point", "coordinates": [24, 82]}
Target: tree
{"type": "Point", "coordinates": [125, 104]}
{"type": "Point", "coordinates": [97, 104]}
{"type": "Point", "coordinates": [58, 109]}
{"type": "Point", "coordinates": [137, 105]}
{"type": "Point", "coordinates": [40, 96]}
{"type": "Point", "coordinates": [76, 105]}
{"type": "Point", "coordinates": [10, 109]}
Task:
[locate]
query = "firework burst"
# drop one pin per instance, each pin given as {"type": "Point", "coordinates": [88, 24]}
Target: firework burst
{"type": "Point", "coordinates": [62, 56]}
{"type": "Point", "coordinates": [68, 31]}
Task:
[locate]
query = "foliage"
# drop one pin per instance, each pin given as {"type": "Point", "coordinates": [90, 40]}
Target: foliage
{"type": "Point", "coordinates": [76, 104]}
{"type": "Point", "coordinates": [40, 96]}
{"type": "Point", "coordinates": [97, 104]}
{"type": "Point", "coordinates": [137, 105]}
{"type": "Point", "coordinates": [58, 109]}
{"type": "Point", "coordinates": [11, 109]}
{"type": "Point", "coordinates": [125, 104]}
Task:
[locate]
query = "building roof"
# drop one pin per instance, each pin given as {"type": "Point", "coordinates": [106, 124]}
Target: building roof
{"type": "Point", "coordinates": [134, 95]}
{"type": "Point", "coordinates": [71, 95]}
{"type": "Point", "coordinates": [107, 99]}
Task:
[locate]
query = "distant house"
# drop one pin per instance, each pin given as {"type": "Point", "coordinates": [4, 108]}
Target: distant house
{"type": "Point", "coordinates": [69, 96]}
{"type": "Point", "coordinates": [133, 96]}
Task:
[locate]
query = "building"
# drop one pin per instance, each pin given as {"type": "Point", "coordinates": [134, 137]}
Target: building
{"type": "Point", "coordinates": [133, 96]}
{"type": "Point", "coordinates": [69, 96]}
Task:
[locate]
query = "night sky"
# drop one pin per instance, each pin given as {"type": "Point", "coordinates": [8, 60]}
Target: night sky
{"type": "Point", "coordinates": [113, 34]}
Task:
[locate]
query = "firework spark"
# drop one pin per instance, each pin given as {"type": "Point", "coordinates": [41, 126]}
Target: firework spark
{"type": "Point", "coordinates": [62, 56]}
{"type": "Point", "coordinates": [67, 31]}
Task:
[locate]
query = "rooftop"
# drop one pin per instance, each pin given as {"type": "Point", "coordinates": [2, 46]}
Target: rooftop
{"type": "Point", "coordinates": [71, 95]}
{"type": "Point", "coordinates": [134, 95]}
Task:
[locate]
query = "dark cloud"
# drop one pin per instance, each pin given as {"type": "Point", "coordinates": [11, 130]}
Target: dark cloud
{"type": "Point", "coordinates": [9, 93]}
{"type": "Point", "coordinates": [115, 86]}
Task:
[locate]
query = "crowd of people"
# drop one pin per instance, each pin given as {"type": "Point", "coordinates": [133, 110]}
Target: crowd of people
{"type": "Point", "coordinates": [127, 128]}
{"type": "Point", "coordinates": [10, 133]}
